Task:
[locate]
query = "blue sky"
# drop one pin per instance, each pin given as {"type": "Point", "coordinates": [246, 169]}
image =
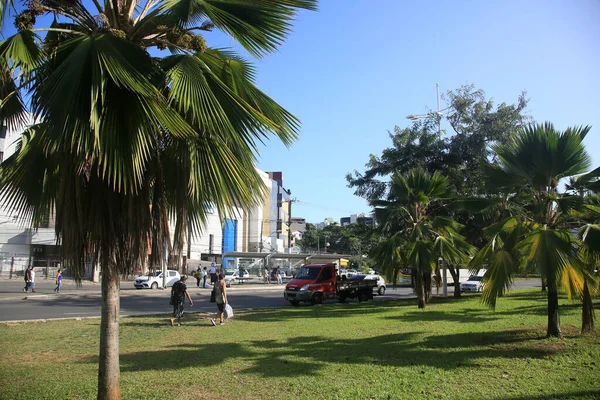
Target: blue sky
{"type": "Point", "coordinates": [355, 69]}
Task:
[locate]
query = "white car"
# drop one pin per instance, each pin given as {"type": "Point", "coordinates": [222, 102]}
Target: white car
{"type": "Point", "coordinates": [156, 281]}
{"type": "Point", "coordinates": [380, 281]}
{"type": "Point", "coordinates": [474, 284]}
{"type": "Point", "coordinates": [232, 275]}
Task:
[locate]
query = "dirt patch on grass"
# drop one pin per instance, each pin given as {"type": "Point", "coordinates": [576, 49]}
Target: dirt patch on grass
{"type": "Point", "coordinates": [43, 357]}
{"type": "Point", "coordinates": [204, 393]}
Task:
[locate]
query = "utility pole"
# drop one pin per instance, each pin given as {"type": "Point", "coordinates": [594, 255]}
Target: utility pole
{"type": "Point", "coordinates": [164, 265]}
{"type": "Point", "coordinates": [290, 222]}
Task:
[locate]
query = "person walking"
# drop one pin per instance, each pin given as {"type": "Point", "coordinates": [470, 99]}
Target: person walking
{"type": "Point", "coordinates": [279, 278]}
{"type": "Point", "coordinates": [59, 279]}
{"type": "Point", "coordinates": [213, 273]}
{"type": "Point", "coordinates": [178, 294]}
{"type": "Point", "coordinates": [267, 275]}
{"type": "Point", "coordinates": [31, 279]}
{"type": "Point", "coordinates": [27, 279]}
{"type": "Point", "coordinates": [198, 276]}
{"type": "Point", "coordinates": [220, 299]}
{"type": "Point", "coordinates": [204, 273]}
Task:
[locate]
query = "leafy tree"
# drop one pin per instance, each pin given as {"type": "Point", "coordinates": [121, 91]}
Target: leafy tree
{"type": "Point", "coordinates": [127, 139]}
{"type": "Point", "coordinates": [349, 239]}
{"type": "Point", "coordinates": [532, 163]}
{"type": "Point", "coordinates": [309, 238]}
{"type": "Point", "coordinates": [460, 155]}
{"type": "Point", "coordinates": [415, 231]}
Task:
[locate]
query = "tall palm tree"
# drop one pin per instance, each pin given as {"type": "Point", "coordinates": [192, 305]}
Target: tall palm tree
{"type": "Point", "coordinates": [414, 229]}
{"type": "Point", "coordinates": [589, 252]}
{"type": "Point", "coordinates": [587, 186]}
{"type": "Point", "coordinates": [531, 165]}
{"type": "Point", "coordinates": [127, 139]}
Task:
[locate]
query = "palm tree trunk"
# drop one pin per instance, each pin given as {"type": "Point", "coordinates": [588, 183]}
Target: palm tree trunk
{"type": "Point", "coordinates": [543, 284]}
{"type": "Point", "coordinates": [587, 313]}
{"type": "Point", "coordinates": [419, 288]}
{"type": "Point", "coordinates": [109, 374]}
{"type": "Point", "coordinates": [553, 317]}
{"type": "Point", "coordinates": [455, 272]}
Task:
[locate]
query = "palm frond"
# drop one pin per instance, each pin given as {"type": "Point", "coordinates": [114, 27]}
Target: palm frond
{"type": "Point", "coordinates": [548, 250]}
{"type": "Point", "coordinates": [499, 276]}
{"type": "Point", "coordinates": [260, 26]}
{"type": "Point", "coordinates": [21, 52]}
{"type": "Point", "coordinates": [541, 155]}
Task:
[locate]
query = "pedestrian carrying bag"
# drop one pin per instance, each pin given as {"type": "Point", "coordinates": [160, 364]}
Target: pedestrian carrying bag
{"type": "Point", "coordinates": [213, 296]}
{"type": "Point", "coordinates": [228, 311]}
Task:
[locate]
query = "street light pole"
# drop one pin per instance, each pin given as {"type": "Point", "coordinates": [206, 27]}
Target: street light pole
{"type": "Point", "coordinates": [414, 117]}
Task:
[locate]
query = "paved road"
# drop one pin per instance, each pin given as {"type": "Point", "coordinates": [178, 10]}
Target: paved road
{"type": "Point", "coordinates": [83, 302]}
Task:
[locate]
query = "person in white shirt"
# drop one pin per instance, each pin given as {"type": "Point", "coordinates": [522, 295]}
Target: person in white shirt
{"type": "Point", "coordinates": [213, 273]}
{"type": "Point", "coordinates": [31, 281]}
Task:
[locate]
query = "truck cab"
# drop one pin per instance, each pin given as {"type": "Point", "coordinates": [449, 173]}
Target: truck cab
{"type": "Point", "coordinates": [313, 283]}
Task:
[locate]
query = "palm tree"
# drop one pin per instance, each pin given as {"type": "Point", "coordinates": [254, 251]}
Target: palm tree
{"type": "Point", "coordinates": [590, 255]}
{"type": "Point", "coordinates": [530, 167]}
{"type": "Point", "coordinates": [127, 139]}
{"type": "Point", "coordinates": [587, 187]}
{"type": "Point", "coordinates": [415, 231]}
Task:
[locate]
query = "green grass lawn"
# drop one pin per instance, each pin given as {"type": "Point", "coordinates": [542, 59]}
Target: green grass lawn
{"type": "Point", "coordinates": [453, 349]}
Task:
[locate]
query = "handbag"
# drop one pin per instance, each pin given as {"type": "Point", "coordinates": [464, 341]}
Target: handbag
{"type": "Point", "coordinates": [228, 313]}
{"type": "Point", "coordinates": [213, 296]}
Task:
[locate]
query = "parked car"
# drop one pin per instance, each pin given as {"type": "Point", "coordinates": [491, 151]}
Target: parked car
{"type": "Point", "coordinates": [232, 275]}
{"type": "Point", "coordinates": [156, 281]}
{"type": "Point", "coordinates": [353, 272]}
{"type": "Point", "coordinates": [381, 287]}
{"type": "Point", "coordinates": [343, 273]}
{"type": "Point", "coordinates": [474, 284]}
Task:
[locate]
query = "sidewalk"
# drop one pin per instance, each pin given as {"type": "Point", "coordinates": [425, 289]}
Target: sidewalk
{"type": "Point", "coordinates": [11, 289]}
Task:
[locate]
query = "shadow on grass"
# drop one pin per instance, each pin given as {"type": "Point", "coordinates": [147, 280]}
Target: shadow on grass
{"type": "Point", "coordinates": [584, 394]}
{"type": "Point", "coordinates": [306, 355]}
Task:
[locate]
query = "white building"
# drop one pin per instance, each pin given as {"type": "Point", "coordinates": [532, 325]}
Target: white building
{"type": "Point", "coordinates": [20, 245]}
{"type": "Point", "coordinates": [261, 228]}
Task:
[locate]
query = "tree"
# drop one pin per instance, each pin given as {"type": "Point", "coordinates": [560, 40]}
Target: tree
{"type": "Point", "coordinates": [589, 235]}
{"type": "Point", "coordinates": [531, 164]}
{"type": "Point", "coordinates": [587, 186]}
{"type": "Point", "coordinates": [415, 231]}
{"type": "Point", "coordinates": [127, 139]}
{"type": "Point", "coordinates": [461, 155]}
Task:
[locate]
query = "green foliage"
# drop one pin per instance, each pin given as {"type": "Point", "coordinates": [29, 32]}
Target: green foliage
{"type": "Point", "coordinates": [538, 234]}
{"type": "Point", "coordinates": [462, 156]}
{"type": "Point", "coordinates": [352, 239]}
{"type": "Point", "coordinates": [414, 232]}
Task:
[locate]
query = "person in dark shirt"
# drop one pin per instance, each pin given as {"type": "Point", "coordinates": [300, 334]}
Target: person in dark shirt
{"type": "Point", "coordinates": [178, 294]}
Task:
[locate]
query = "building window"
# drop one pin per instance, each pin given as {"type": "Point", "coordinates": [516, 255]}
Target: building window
{"type": "Point", "coordinates": [3, 132]}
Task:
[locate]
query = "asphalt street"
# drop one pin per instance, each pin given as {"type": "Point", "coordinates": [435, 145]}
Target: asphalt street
{"type": "Point", "coordinates": [85, 301]}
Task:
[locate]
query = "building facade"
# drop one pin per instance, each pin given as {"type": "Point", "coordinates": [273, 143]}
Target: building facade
{"type": "Point", "coordinates": [261, 228]}
{"type": "Point", "coordinates": [354, 218]}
